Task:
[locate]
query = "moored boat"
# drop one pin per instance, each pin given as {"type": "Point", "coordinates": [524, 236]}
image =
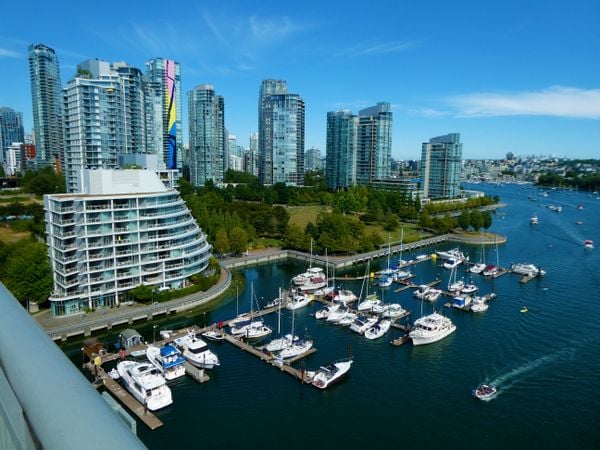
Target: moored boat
{"type": "Point", "coordinates": [431, 328]}
{"type": "Point", "coordinates": [168, 360]}
{"type": "Point", "coordinates": [490, 270]}
{"type": "Point", "coordinates": [328, 375]}
{"type": "Point", "coordinates": [477, 268]}
{"type": "Point", "coordinates": [362, 324]}
{"type": "Point", "coordinates": [378, 330]}
{"type": "Point", "coordinates": [298, 300]}
{"type": "Point", "coordinates": [196, 351]}
{"type": "Point", "coordinates": [295, 349]}
{"type": "Point", "coordinates": [527, 269]}
{"type": "Point", "coordinates": [145, 383]}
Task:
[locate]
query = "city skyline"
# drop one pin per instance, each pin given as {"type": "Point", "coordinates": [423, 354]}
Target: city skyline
{"type": "Point", "coordinates": [509, 78]}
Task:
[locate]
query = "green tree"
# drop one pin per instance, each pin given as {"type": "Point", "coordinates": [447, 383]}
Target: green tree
{"type": "Point", "coordinates": [487, 219]}
{"type": "Point", "coordinates": [425, 220]}
{"type": "Point", "coordinates": [464, 220]}
{"type": "Point", "coordinates": [238, 240]}
{"type": "Point", "coordinates": [142, 293]}
{"type": "Point", "coordinates": [43, 181]}
{"type": "Point", "coordinates": [221, 244]}
{"type": "Point", "coordinates": [27, 274]}
{"type": "Point", "coordinates": [295, 238]}
{"type": "Point", "coordinates": [476, 220]}
{"type": "Point", "coordinates": [391, 222]}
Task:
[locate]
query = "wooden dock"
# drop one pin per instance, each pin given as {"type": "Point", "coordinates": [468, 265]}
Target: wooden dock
{"type": "Point", "coordinates": [149, 419]}
{"type": "Point", "coordinates": [402, 326]}
{"type": "Point", "coordinates": [195, 373]}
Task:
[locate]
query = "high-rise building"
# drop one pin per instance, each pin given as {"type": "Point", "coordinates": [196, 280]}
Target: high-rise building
{"type": "Point", "coordinates": [124, 228]}
{"type": "Point", "coordinates": [342, 137]}
{"type": "Point", "coordinates": [11, 129]}
{"type": "Point", "coordinates": [374, 144]}
{"type": "Point", "coordinates": [441, 161]}
{"type": "Point", "coordinates": [95, 118]}
{"type": "Point", "coordinates": [280, 134]}
{"type": "Point", "coordinates": [134, 108]}
{"type": "Point", "coordinates": [166, 76]}
{"type": "Point", "coordinates": [312, 159]}
{"type": "Point", "coordinates": [47, 101]}
{"type": "Point", "coordinates": [207, 135]}
{"type": "Point", "coordinates": [252, 155]}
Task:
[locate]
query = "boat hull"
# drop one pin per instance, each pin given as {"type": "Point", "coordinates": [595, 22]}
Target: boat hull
{"type": "Point", "coordinates": [430, 339]}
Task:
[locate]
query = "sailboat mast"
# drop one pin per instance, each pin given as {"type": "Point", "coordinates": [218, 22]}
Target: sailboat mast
{"type": "Point", "coordinates": [279, 314]}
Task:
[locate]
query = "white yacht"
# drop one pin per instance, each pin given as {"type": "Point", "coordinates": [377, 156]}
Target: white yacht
{"type": "Point", "coordinates": [168, 360]}
{"type": "Point", "coordinates": [297, 348]}
{"type": "Point", "coordinates": [336, 314]}
{"type": "Point", "coordinates": [298, 300]}
{"type": "Point", "coordinates": [479, 306]}
{"type": "Point", "coordinates": [490, 270]}
{"type": "Point", "coordinates": [527, 269]}
{"type": "Point", "coordinates": [251, 329]}
{"type": "Point", "coordinates": [477, 268]}
{"type": "Point", "coordinates": [451, 264]}
{"type": "Point", "coordinates": [469, 288]}
{"type": "Point", "coordinates": [461, 302]}
{"type": "Point", "coordinates": [393, 311]}
{"type": "Point", "coordinates": [325, 376]}
{"type": "Point", "coordinates": [323, 313]}
{"type": "Point", "coordinates": [379, 329]}
{"type": "Point", "coordinates": [431, 328]}
{"type": "Point", "coordinates": [369, 303]}
{"type": "Point", "coordinates": [362, 324]}
{"type": "Point", "coordinates": [281, 343]}
{"type": "Point", "coordinates": [457, 286]}
{"type": "Point", "coordinates": [314, 278]}
{"type": "Point", "coordinates": [432, 295]}
{"type": "Point", "coordinates": [534, 220]}
{"type": "Point", "coordinates": [344, 296]}
{"type": "Point", "coordinates": [455, 253]}
{"type": "Point", "coordinates": [347, 319]}
{"type": "Point", "coordinates": [196, 351]}
{"type": "Point", "coordinates": [145, 383]}
{"type": "Point", "coordinates": [421, 291]}
{"type": "Point", "coordinates": [324, 291]}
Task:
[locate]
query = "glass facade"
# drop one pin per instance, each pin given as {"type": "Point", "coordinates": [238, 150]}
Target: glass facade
{"type": "Point", "coordinates": [374, 142]}
{"type": "Point", "coordinates": [441, 164]}
{"type": "Point", "coordinates": [11, 130]}
{"type": "Point", "coordinates": [342, 134]}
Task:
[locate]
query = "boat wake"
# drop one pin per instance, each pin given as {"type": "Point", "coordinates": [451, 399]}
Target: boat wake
{"type": "Point", "coordinates": [507, 380]}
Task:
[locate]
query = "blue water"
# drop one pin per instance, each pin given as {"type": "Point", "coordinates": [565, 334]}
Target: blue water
{"type": "Point", "coordinates": [545, 363]}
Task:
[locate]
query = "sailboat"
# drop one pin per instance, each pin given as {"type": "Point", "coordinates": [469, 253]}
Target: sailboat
{"type": "Point", "coordinates": [453, 285]}
{"type": "Point", "coordinates": [370, 301]}
{"type": "Point", "coordinates": [314, 278]}
{"type": "Point", "coordinates": [480, 266]}
{"type": "Point", "coordinates": [327, 289]}
{"type": "Point", "coordinates": [281, 342]}
{"type": "Point", "coordinates": [399, 273]}
{"type": "Point", "coordinates": [492, 270]}
{"type": "Point", "coordinates": [386, 276]}
{"type": "Point", "coordinates": [297, 347]}
{"type": "Point", "coordinates": [251, 329]}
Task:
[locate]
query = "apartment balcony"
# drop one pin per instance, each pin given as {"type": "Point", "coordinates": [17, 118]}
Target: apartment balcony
{"type": "Point", "coordinates": [124, 252]}
{"type": "Point", "coordinates": [125, 285]}
{"type": "Point", "coordinates": [97, 207]}
{"type": "Point", "coordinates": [173, 266]}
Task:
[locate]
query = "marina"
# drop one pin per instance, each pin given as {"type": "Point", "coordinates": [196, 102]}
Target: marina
{"type": "Point", "coordinates": [525, 350]}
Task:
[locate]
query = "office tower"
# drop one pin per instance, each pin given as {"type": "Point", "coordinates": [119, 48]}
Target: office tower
{"type": "Point", "coordinates": [312, 159]}
{"type": "Point", "coordinates": [124, 228]}
{"type": "Point", "coordinates": [342, 138]}
{"type": "Point", "coordinates": [47, 101]}
{"type": "Point", "coordinates": [252, 155]}
{"type": "Point", "coordinates": [207, 135]}
{"type": "Point", "coordinates": [11, 129]}
{"type": "Point", "coordinates": [280, 134]}
{"type": "Point", "coordinates": [166, 76]}
{"type": "Point", "coordinates": [441, 161]}
{"type": "Point", "coordinates": [134, 108]}
{"type": "Point", "coordinates": [95, 131]}
{"type": "Point", "coordinates": [374, 143]}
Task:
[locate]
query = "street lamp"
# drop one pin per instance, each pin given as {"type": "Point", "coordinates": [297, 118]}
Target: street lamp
{"type": "Point", "coordinates": [82, 358]}
{"type": "Point", "coordinates": [154, 333]}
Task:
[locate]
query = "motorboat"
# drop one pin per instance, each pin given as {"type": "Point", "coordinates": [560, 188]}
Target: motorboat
{"type": "Point", "coordinates": [534, 220]}
{"type": "Point", "coordinates": [369, 303]}
{"type": "Point", "coordinates": [145, 382]}
{"type": "Point", "coordinates": [527, 269]}
{"type": "Point", "coordinates": [323, 313]}
{"type": "Point", "coordinates": [393, 311]}
{"type": "Point", "coordinates": [451, 264]}
{"type": "Point", "coordinates": [555, 208]}
{"type": "Point", "coordinates": [490, 270]}
{"type": "Point", "coordinates": [168, 360]}
{"type": "Point", "coordinates": [431, 328]}
{"type": "Point", "coordinates": [457, 286]}
{"type": "Point", "coordinates": [314, 278]}
{"type": "Point", "coordinates": [579, 222]}
{"type": "Point", "coordinates": [297, 348]}
{"type": "Point", "coordinates": [379, 329]}
{"type": "Point", "coordinates": [273, 303]}
{"type": "Point", "coordinates": [478, 307]}
{"type": "Point", "coordinates": [403, 275]}
{"type": "Point", "coordinates": [432, 295]}
{"type": "Point", "coordinates": [344, 296]}
{"type": "Point", "coordinates": [327, 290]}
{"type": "Point", "coordinates": [213, 335]}
{"type": "Point", "coordinates": [461, 302]}
{"type": "Point", "coordinates": [421, 291]}
{"type": "Point", "coordinates": [477, 268]}
{"type": "Point", "coordinates": [196, 351]}
{"type": "Point", "coordinates": [455, 253]}
{"type": "Point", "coordinates": [469, 288]}
{"type": "Point", "coordinates": [298, 300]}
{"type": "Point", "coordinates": [588, 243]}
{"type": "Point", "coordinates": [524, 309]}
{"type": "Point", "coordinates": [347, 319]}
{"type": "Point", "coordinates": [251, 329]}
{"type": "Point", "coordinates": [485, 392]}
{"type": "Point", "coordinates": [328, 375]}
{"type": "Point", "coordinates": [385, 282]}
{"type": "Point", "coordinates": [281, 343]}
{"type": "Point", "coordinates": [337, 314]}
{"type": "Point", "coordinates": [362, 324]}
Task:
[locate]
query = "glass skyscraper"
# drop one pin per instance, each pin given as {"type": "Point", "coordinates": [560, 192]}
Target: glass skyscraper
{"type": "Point", "coordinates": [166, 76]}
{"type": "Point", "coordinates": [342, 133]}
{"type": "Point", "coordinates": [374, 142]}
{"type": "Point", "coordinates": [207, 135]}
{"type": "Point", "coordinates": [441, 163]}
{"type": "Point", "coordinates": [11, 129]}
{"type": "Point", "coordinates": [280, 134]}
{"type": "Point", "coordinates": [47, 101]}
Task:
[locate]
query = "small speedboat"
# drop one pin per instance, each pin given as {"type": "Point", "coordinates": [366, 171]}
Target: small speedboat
{"type": "Point", "coordinates": [212, 335]}
{"type": "Point", "coordinates": [524, 309]}
{"type": "Point", "coordinates": [588, 243]}
{"type": "Point", "coordinates": [485, 392]}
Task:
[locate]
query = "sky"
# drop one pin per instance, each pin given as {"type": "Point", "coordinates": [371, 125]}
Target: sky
{"type": "Point", "coordinates": [510, 76]}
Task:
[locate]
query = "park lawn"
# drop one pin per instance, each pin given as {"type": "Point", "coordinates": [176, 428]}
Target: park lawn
{"type": "Point", "coordinates": [261, 243]}
{"type": "Point", "coordinates": [412, 233]}
{"type": "Point", "coordinates": [302, 215]}
{"type": "Point", "coordinates": [9, 236]}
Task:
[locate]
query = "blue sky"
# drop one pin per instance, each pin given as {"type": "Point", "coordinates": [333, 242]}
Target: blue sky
{"type": "Point", "coordinates": [520, 76]}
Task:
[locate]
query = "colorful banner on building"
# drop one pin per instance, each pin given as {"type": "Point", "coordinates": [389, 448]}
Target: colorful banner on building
{"type": "Point", "coordinates": [171, 107]}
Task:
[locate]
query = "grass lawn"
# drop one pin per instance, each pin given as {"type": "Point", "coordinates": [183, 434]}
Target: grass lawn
{"type": "Point", "coordinates": [260, 243]}
{"type": "Point", "coordinates": [411, 233]}
{"type": "Point", "coordinates": [302, 215]}
{"type": "Point", "coordinates": [8, 236]}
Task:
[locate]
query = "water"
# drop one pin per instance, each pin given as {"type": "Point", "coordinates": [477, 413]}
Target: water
{"type": "Point", "coordinates": [545, 363]}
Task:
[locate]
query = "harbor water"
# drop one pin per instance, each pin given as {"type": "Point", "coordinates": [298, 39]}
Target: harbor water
{"type": "Point", "coordinates": [545, 362]}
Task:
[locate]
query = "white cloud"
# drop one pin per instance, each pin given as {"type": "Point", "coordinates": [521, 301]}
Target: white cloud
{"type": "Point", "coordinates": [6, 53]}
{"type": "Point", "coordinates": [377, 48]}
{"type": "Point", "coordinates": [558, 101]}
{"type": "Point", "coordinates": [428, 112]}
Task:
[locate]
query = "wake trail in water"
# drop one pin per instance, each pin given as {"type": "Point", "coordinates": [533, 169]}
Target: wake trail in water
{"type": "Point", "coordinates": [505, 381]}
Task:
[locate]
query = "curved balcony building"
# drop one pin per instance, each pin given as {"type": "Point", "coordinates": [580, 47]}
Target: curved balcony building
{"type": "Point", "coordinates": [124, 229]}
